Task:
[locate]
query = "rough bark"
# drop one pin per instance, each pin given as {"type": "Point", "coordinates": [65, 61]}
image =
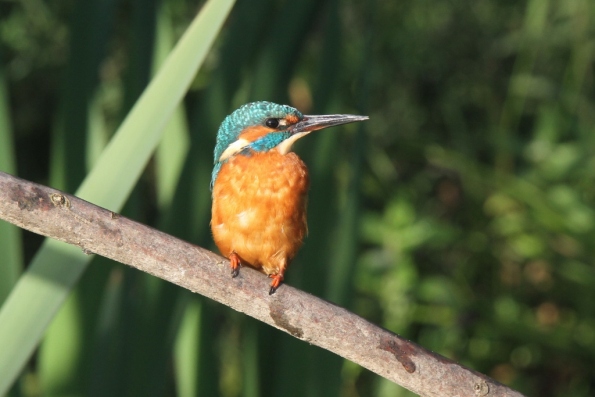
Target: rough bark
{"type": "Point", "coordinates": [54, 214]}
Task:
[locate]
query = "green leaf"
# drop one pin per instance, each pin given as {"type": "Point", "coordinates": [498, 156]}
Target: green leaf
{"type": "Point", "coordinates": [57, 266]}
{"type": "Point", "coordinates": [10, 243]}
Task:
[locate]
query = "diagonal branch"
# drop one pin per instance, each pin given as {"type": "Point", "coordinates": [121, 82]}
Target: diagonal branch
{"type": "Point", "coordinates": [64, 217]}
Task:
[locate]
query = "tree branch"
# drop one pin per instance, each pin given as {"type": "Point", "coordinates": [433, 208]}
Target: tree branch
{"type": "Point", "coordinates": [64, 217]}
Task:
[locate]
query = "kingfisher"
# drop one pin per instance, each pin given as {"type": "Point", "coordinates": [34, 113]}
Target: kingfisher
{"type": "Point", "coordinates": [259, 186]}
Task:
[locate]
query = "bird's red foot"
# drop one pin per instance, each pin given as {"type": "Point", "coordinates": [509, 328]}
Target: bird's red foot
{"type": "Point", "coordinates": [234, 261]}
{"type": "Point", "coordinates": [277, 280]}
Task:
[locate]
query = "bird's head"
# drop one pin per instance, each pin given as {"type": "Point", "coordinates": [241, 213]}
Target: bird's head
{"type": "Point", "coordinates": [264, 126]}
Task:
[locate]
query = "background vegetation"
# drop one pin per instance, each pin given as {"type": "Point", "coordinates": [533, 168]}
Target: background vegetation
{"type": "Point", "coordinates": [460, 216]}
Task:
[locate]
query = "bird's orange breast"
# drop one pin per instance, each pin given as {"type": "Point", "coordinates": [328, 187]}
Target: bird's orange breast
{"type": "Point", "coordinates": [259, 209]}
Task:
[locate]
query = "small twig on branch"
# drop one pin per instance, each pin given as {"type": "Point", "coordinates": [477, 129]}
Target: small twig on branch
{"type": "Point", "coordinates": [64, 217]}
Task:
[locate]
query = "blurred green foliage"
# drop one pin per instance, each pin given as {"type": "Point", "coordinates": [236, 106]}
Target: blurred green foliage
{"type": "Point", "coordinates": [461, 216]}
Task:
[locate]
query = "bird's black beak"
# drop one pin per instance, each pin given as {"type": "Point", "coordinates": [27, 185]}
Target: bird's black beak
{"type": "Point", "coordinates": [313, 123]}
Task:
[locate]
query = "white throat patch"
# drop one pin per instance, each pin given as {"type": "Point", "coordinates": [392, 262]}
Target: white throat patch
{"type": "Point", "coordinates": [234, 148]}
{"type": "Point", "coordinates": [285, 146]}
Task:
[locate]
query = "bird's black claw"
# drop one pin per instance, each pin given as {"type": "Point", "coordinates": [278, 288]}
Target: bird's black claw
{"type": "Point", "coordinates": [272, 290]}
{"type": "Point", "coordinates": [235, 272]}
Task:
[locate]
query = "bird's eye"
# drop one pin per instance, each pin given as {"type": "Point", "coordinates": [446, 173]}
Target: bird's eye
{"type": "Point", "coordinates": [272, 123]}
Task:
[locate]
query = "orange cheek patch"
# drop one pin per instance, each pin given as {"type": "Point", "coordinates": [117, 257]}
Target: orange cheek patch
{"type": "Point", "coordinates": [291, 119]}
{"type": "Point", "coordinates": [253, 133]}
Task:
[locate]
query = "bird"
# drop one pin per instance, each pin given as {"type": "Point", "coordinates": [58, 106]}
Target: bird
{"type": "Point", "coordinates": [259, 186]}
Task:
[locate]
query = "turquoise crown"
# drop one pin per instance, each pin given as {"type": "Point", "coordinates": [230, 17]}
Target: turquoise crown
{"type": "Point", "coordinates": [250, 114]}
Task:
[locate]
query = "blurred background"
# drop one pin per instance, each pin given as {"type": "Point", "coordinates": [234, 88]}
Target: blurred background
{"type": "Point", "coordinates": [460, 216]}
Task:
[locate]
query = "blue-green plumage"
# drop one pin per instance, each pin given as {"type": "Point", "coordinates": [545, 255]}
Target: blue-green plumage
{"type": "Point", "coordinates": [260, 187]}
{"type": "Point", "coordinates": [249, 115]}
{"type": "Point", "coordinates": [268, 141]}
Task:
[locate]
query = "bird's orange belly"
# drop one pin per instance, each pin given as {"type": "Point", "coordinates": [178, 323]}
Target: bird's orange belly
{"type": "Point", "coordinates": [259, 209]}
